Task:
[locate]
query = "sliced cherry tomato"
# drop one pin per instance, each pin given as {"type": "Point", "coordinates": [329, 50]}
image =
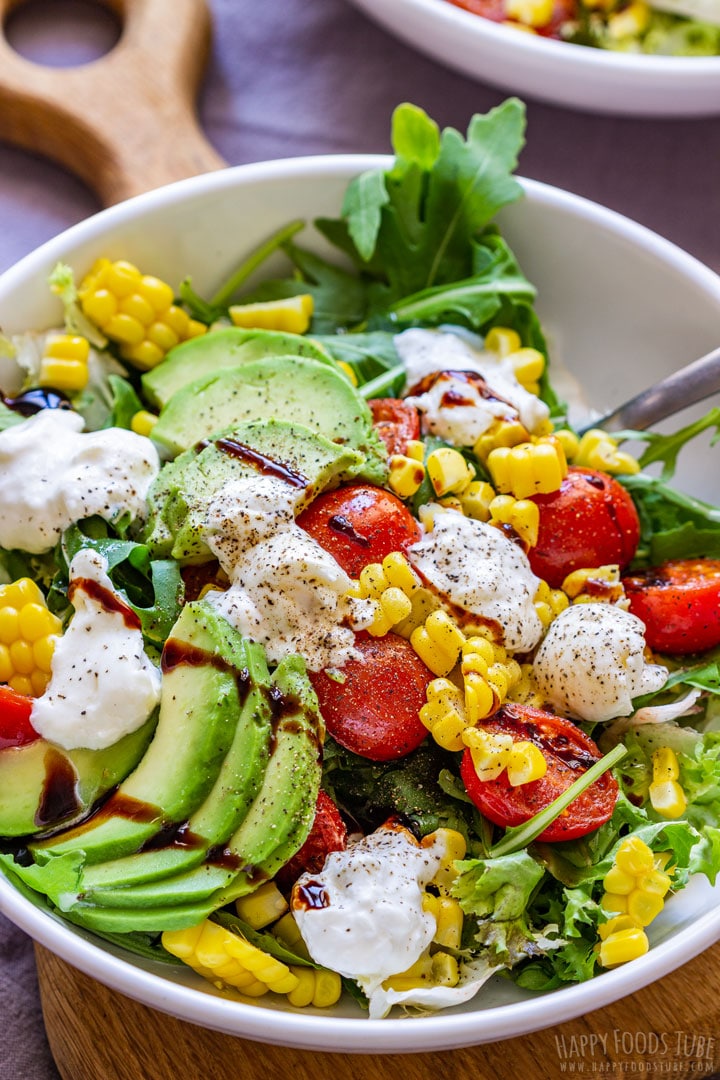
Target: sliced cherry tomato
{"type": "Point", "coordinates": [679, 602]}
{"type": "Point", "coordinates": [568, 753]}
{"type": "Point", "coordinates": [328, 833]}
{"type": "Point", "coordinates": [15, 726]}
{"type": "Point", "coordinates": [590, 521]}
{"type": "Point", "coordinates": [359, 524]}
{"type": "Point", "coordinates": [396, 422]}
{"type": "Point", "coordinates": [375, 711]}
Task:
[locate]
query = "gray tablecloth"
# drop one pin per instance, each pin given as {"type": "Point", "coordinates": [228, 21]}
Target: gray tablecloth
{"type": "Point", "coordinates": [295, 77]}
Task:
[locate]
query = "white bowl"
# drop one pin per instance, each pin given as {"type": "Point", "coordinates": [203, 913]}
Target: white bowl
{"type": "Point", "coordinates": [564, 74]}
{"type": "Point", "coordinates": [622, 305]}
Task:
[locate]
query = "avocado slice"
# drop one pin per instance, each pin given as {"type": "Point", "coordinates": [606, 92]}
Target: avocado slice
{"type": "Point", "coordinates": [180, 496]}
{"type": "Point", "coordinates": [203, 664]}
{"type": "Point", "coordinates": [284, 388]}
{"type": "Point", "coordinates": [226, 805]}
{"type": "Point", "coordinates": [274, 828]}
{"type": "Point", "coordinates": [43, 786]}
{"type": "Point", "coordinates": [220, 349]}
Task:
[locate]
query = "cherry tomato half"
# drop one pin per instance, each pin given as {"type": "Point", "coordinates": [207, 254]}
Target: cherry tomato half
{"type": "Point", "coordinates": [679, 602]}
{"type": "Point", "coordinates": [375, 711]}
{"type": "Point", "coordinates": [328, 833]}
{"type": "Point", "coordinates": [589, 521]}
{"type": "Point", "coordinates": [359, 524]}
{"type": "Point", "coordinates": [15, 726]}
{"type": "Point", "coordinates": [568, 752]}
{"type": "Point", "coordinates": [396, 423]}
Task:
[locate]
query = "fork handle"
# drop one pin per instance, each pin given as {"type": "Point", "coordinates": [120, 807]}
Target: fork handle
{"type": "Point", "coordinates": [126, 122]}
{"type": "Point", "coordinates": [686, 386]}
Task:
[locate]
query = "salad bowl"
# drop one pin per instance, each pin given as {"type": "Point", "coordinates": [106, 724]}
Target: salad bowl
{"type": "Point", "coordinates": [621, 308]}
{"type": "Point", "coordinates": [575, 76]}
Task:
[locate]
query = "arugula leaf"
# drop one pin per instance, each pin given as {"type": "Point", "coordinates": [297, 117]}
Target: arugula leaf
{"type": "Point", "coordinates": [665, 448]}
{"type": "Point", "coordinates": [153, 588]}
{"type": "Point", "coordinates": [437, 199]}
{"type": "Point", "coordinates": [368, 354]}
{"type": "Point", "coordinates": [672, 525]}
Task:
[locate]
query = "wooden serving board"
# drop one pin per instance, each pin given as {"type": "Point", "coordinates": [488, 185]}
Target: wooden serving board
{"type": "Point", "coordinates": [671, 1028]}
{"type": "Point", "coordinates": [124, 124]}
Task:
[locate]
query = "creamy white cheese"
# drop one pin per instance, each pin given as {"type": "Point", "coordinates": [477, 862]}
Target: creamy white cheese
{"type": "Point", "coordinates": [455, 409]}
{"type": "Point", "coordinates": [286, 591]}
{"type": "Point", "coordinates": [479, 570]}
{"type": "Point", "coordinates": [102, 686]}
{"type": "Point", "coordinates": [424, 352]}
{"type": "Point", "coordinates": [367, 920]}
{"type": "Point", "coordinates": [591, 663]}
{"type": "Point", "coordinates": [53, 474]}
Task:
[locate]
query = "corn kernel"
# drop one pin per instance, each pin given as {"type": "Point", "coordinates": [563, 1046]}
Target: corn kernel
{"type": "Point", "coordinates": [372, 581]}
{"type": "Point", "coordinates": [9, 625]}
{"type": "Point", "coordinates": [444, 970]}
{"type": "Point", "coordinates": [656, 882]}
{"type": "Point", "coordinates": [535, 13]}
{"type": "Point", "coordinates": [528, 469]}
{"type": "Point", "coordinates": [629, 22]}
{"type": "Point", "coordinates": [159, 296]}
{"type": "Point", "coordinates": [449, 920]}
{"type": "Point", "coordinates": [667, 798]}
{"type": "Point", "coordinates": [292, 314]}
{"type": "Point", "coordinates": [144, 356]}
{"type": "Point", "coordinates": [623, 946]}
{"type": "Point", "coordinates": [502, 340]}
{"type": "Point", "coordinates": [528, 365]}
{"type": "Point", "coordinates": [121, 277]}
{"type": "Point", "coordinates": [138, 308]}
{"type": "Point", "coordinates": [644, 906]}
{"type": "Point", "coordinates": [617, 923]}
{"type": "Point", "coordinates": [60, 374]}
{"type": "Point", "coordinates": [481, 700]}
{"type": "Point", "coordinates": [415, 449]}
{"type": "Point", "coordinates": [161, 335]}
{"type": "Point", "coordinates": [263, 906]}
{"type": "Point", "coordinates": [490, 752]}
{"type": "Point", "coordinates": [399, 574]}
{"type": "Point", "coordinates": [405, 475]}
{"type": "Point", "coordinates": [395, 605]}
{"type": "Point", "coordinates": [21, 684]}
{"type": "Point", "coordinates": [569, 442]}
{"type": "Point", "coordinates": [448, 471]}
{"type": "Point", "coordinates": [634, 856]}
{"type": "Point", "coordinates": [598, 450]}
{"type": "Point", "coordinates": [143, 422]}
{"type": "Point", "coordinates": [619, 881]}
{"type": "Point", "coordinates": [125, 329]}
{"type": "Point", "coordinates": [502, 433]}
{"type": "Point", "coordinates": [526, 763]}
{"type": "Point", "coordinates": [665, 764]}
{"type": "Point", "coordinates": [6, 667]}
{"type": "Point", "coordinates": [475, 500]}
{"type": "Point", "coordinates": [100, 306]}
{"type": "Point", "coordinates": [616, 902]}
{"type": "Point", "coordinates": [68, 347]}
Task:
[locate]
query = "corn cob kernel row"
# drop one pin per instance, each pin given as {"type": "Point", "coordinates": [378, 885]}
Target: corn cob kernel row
{"type": "Point", "coordinates": [64, 363]}
{"type": "Point", "coordinates": [635, 889]}
{"type": "Point", "coordinates": [549, 603]}
{"type": "Point", "coordinates": [391, 585]}
{"type": "Point", "coordinates": [667, 797]}
{"type": "Point", "coordinates": [228, 960]}
{"type": "Point", "coordinates": [530, 468]}
{"type": "Point", "coordinates": [135, 310]}
{"type": "Point", "coordinates": [28, 634]}
{"type": "Point", "coordinates": [488, 674]}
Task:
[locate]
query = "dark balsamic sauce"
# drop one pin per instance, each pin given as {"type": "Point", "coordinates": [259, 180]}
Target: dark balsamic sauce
{"type": "Point", "coordinates": [311, 896]}
{"type": "Point", "coordinates": [340, 524]}
{"type": "Point", "coordinates": [34, 401]}
{"type": "Point", "coordinates": [106, 599]}
{"type": "Point", "coordinates": [265, 465]}
{"type": "Point", "coordinates": [59, 798]}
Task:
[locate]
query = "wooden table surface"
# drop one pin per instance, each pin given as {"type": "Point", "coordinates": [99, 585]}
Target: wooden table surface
{"type": "Point", "coordinates": [670, 1028]}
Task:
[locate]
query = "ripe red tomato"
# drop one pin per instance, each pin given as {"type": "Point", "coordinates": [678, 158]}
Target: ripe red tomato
{"type": "Point", "coordinates": [590, 521]}
{"type": "Point", "coordinates": [328, 833]}
{"type": "Point", "coordinates": [359, 524]}
{"type": "Point", "coordinates": [568, 752]}
{"type": "Point", "coordinates": [396, 423]}
{"type": "Point", "coordinates": [679, 602]}
{"type": "Point", "coordinates": [15, 726]}
{"type": "Point", "coordinates": [375, 711]}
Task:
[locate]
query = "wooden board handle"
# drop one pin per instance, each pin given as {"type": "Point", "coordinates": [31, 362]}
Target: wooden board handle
{"type": "Point", "coordinates": [124, 123]}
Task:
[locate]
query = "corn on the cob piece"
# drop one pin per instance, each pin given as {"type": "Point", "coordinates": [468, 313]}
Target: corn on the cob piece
{"type": "Point", "coordinates": [135, 310]}
{"type": "Point", "coordinates": [28, 633]}
{"type": "Point", "coordinates": [596, 585]}
{"type": "Point", "coordinates": [449, 472]}
{"type": "Point", "coordinates": [501, 433]}
{"type": "Point", "coordinates": [228, 959]}
{"type": "Point", "coordinates": [391, 584]}
{"type": "Point", "coordinates": [635, 888]}
{"type": "Point", "coordinates": [549, 603]}
{"type": "Point", "coordinates": [522, 515]}
{"type": "Point", "coordinates": [530, 468]}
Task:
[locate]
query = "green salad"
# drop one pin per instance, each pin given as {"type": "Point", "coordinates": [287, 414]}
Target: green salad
{"type": "Point", "coordinates": [332, 658]}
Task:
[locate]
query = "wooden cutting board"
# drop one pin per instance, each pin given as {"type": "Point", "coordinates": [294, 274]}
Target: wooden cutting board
{"type": "Point", "coordinates": [124, 124]}
{"type": "Point", "coordinates": [671, 1028]}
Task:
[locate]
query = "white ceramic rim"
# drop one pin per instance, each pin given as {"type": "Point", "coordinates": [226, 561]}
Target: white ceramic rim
{"type": "Point", "coordinates": [690, 68]}
{"type": "Point", "coordinates": [443, 1031]}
